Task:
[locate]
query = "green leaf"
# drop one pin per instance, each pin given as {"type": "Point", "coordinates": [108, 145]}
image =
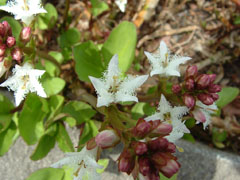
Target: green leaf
{"type": "Point", "coordinates": [104, 163]}
{"type": "Point", "coordinates": [236, 20]}
{"type": "Point", "coordinates": [15, 25]}
{"type": "Point", "coordinates": [189, 137]}
{"type": "Point", "coordinates": [63, 139]}
{"type": "Point", "coordinates": [55, 104]}
{"type": "Point", "coordinates": [148, 110]}
{"type": "Point", "coordinates": [162, 177]}
{"type": "Point", "coordinates": [122, 41]}
{"type": "Point", "coordinates": [69, 38]}
{"type": "Point", "coordinates": [30, 122]}
{"type": "Point", "coordinates": [219, 135]}
{"type": "Point", "coordinates": [227, 95]}
{"type": "Point", "coordinates": [49, 19]}
{"type": "Point", "coordinates": [81, 111]}
{"type": "Point", "coordinates": [88, 61]}
{"type": "Point", "coordinates": [190, 123]}
{"type": "Point", "coordinates": [7, 138]}
{"type": "Point", "coordinates": [52, 85]}
{"type": "Point", "coordinates": [3, 2]}
{"type": "Point", "coordinates": [137, 110]}
{"type": "Point", "coordinates": [57, 55]}
{"type": "Point", "coordinates": [5, 114]}
{"type": "Point", "coordinates": [90, 131]}
{"type": "Point", "coordinates": [98, 7]}
{"type": "Point", "coordinates": [45, 144]}
{"type": "Point", "coordinates": [47, 174]}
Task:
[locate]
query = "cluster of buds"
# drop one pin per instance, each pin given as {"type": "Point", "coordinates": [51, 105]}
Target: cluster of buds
{"type": "Point", "coordinates": [199, 87]}
{"type": "Point", "coordinates": [149, 158]}
{"type": "Point", "coordinates": [152, 156]}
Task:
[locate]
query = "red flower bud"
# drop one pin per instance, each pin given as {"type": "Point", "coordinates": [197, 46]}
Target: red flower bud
{"type": "Point", "coordinates": [142, 128]}
{"type": "Point", "coordinates": [205, 98]}
{"type": "Point", "coordinates": [203, 81]}
{"type": "Point", "coordinates": [17, 54]}
{"type": "Point", "coordinates": [176, 88]}
{"type": "Point", "coordinates": [171, 147]}
{"type": "Point", "coordinates": [107, 138]}
{"type": "Point", "coordinates": [7, 29]}
{"type": "Point", "coordinates": [214, 96]}
{"type": "Point", "coordinates": [191, 71]}
{"type": "Point", "coordinates": [213, 88]}
{"type": "Point", "coordinates": [189, 84]}
{"type": "Point", "coordinates": [189, 100]}
{"type": "Point", "coordinates": [170, 168]}
{"type": "Point", "coordinates": [140, 148]}
{"type": "Point", "coordinates": [212, 78]}
{"type": "Point", "coordinates": [199, 115]}
{"type": "Point", "coordinates": [144, 165]}
{"type": "Point", "coordinates": [158, 144]}
{"type": "Point", "coordinates": [2, 49]}
{"type": "Point", "coordinates": [2, 30]}
{"type": "Point", "coordinates": [25, 34]}
{"type": "Point", "coordinates": [126, 162]}
{"type": "Point", "coordinates": [11, 41]}
{"type": "Point", "coordinates": [159, 159]}
{"type": "Point", "coordinates": [162, 128]}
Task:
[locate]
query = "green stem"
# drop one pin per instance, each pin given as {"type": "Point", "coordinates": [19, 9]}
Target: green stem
{"type": "Point", "coordinates": [67, 2]}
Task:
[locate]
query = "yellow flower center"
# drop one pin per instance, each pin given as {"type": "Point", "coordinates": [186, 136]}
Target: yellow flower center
{"type": "Point", "coordinates": [25, 80]}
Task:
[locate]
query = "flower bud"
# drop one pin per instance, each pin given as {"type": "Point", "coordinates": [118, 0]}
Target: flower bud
{"type": "Point", "coordinates": [191, 71]}
{"type": "Point", "coordinates": [189, 84]}
{"type": "Point", "coordinates": [107, 138]}
{"type": "Point", "coordinates": [126, 162]}
{"type": "Point", "coordinates": [140, 148]}
{"type": "Point", "coordinates": [17, 54]}
{"type": "Point", "coordinates": [189, 100]}
{"type": "Point", "coordinates": [25, 34]}
{"type": "Point", "coordinates": [170, 168]}
{"type": "Point", "coordinates": [212, 77]}
{"type": "Point", "coordinates": [7, 29]}
{"type": "Point", "coordinates": [158, 144]}
{"type": "Point", "coordinates": [2, 49]}
{"type": "Point", "coordinates": [176, 88]}
{"type": "Point", "coordinates": [199, 115]}
{"type": "Point", "coordinates": [2, 30]}
{"type": "Point", "coordinates": [203, 81]}
{"type": "Point", "coordinates": [205, 98]}
{"type": "Point", "coordinates": [159, 159]}
{"type": "Point", "coordinates": [171, 147]}
{"type": "Point", "coordinates": [142, 128]}
{"type": "Point", "coordinates": [213, 88]}
{"type": "Point", "coordinates": [11, 41]}
{"type": "Point", "coordinates": [144, 165]}
{"type": "Point", "coordinates": [162, 128]}
{"type": "Point", "coordinates": [214, 96]}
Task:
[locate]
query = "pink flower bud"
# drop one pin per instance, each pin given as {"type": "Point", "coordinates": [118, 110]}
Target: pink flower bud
{"type": "Point", "coordinates": [158, 144]}
{"type": "Point", "coordinates": [213, 88]}
{"type": "Point", "coordinates": [2, 49]}
{"type": "Point", "coordinates": [126, 162]}
{"type": "Point", "coordinates": [214, 96]}
{"type": "Point", "coordinates": [189, 100]}
{"type": "Point", "coordinates": [11, 41]}
{"type": "Point", "coordinates": [17, 54]}
{"type": "Point", "coordinates": [107, 138]}
{"type": "Point", "coordinates": [203, 81]}
{"type": "Point", "coordinates": [191, 71]}
{"type": "Point", "coordinates": [142, 128]}
{"type": "Point", "coordinates": [189, 84]}
{"type": "Point", "coordinates": [171, 147]}
{"type": "Point", "coordinates": [205, 98]}
{"type": "Point", "coordinates": [170, 168]}
{"type": "Point", "coordinates": [144, 165]}
{"type": "Point", "coordinates": [199, 115]}
{"type": "Point", "coordinates": [162, 128]}
{"type": "Point", "coordinates": [212, 78]}
{"type": "Point", "coordinates": [2, 30]}
{"type": "Point", "coordinates": [176, 88]}
{"type": "Point", "coordinates": [1, 58]}
{"type": "Point", "coordinates": [140, 148]}
{"type": "Point", "coordinates": [159, 159]}
{"type": "Point", "coordinates": [7, 29]}
{"type": "Point", "coordinates": [25, 34]}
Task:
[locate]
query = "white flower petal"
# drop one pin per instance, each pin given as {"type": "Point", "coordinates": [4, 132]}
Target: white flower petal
{"type": "Point", "coordinates": [164, 105]}
{"type": "Point", "coordinates": [156, 116]}
{"type": "Point", "coordinates": [121, 4]}
{"type": "Point", "coordinates": [19, 95]}
{"type": "Point", "coordinates": [163, 51]}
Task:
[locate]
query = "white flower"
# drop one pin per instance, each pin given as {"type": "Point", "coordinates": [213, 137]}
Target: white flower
{"type": "Point", "coordinates": [3, 69]}
{"type": "Point", "coordinates": [23, 81]}
{"type": "Point", "coordinates": [164, 63]}
{"type": "Point", "coordinates": [83, 162]}
{"type": "Point", "coordinates": [121, 4]}
{"type": "Point", "coordinates": [202, 113]}
{"type": "Point", "coordinates": [171, 115]}
{"type": "Point", "coordinates": [113, 87]}
{"type": "Point", "coordinates": [24, 9]}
